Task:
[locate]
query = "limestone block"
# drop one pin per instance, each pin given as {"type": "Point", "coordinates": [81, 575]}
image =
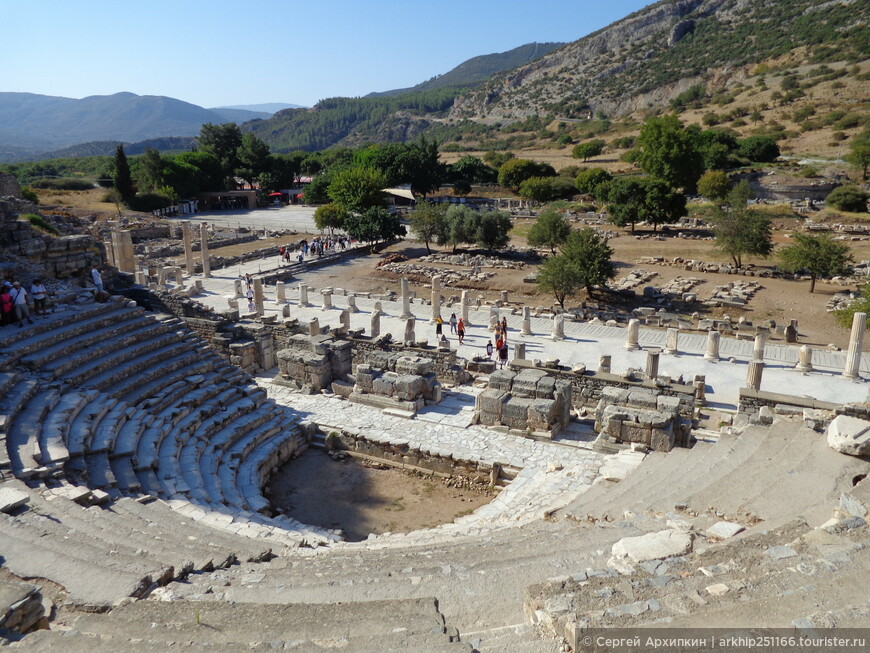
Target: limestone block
{"type": "Point", "coordinates": [630, 431]}
{"type": "Point", "coordinates": [652, 546]}
{"type": "Point", "coordinates": [849, 435]}
{"type": "Point", "coordinates": [408, 387]}
{"type": "Point", "coordinates": [722, 530]}
{"type": "Point", "coordinates": [515, 413]}
{"type": "Point", "coordinates": [413, 365]}
{"type": "Point", "coordinates": [614, 395]}
{"type": "Point", "coordinates": [10, 499]}
{"type": "Point", "coordinates": [384, 385]}
{"type": "Point", "coordinates": [543, 414]}
{"type": "Point", "coordinates": [545, 388]}
{"type": "Point", "coordinates": [667, 404]}
{"type": "Point", "coordinates": [662, 439]}
{"type": "Point", "coordinates": [641, 399]}
{"type": "Point", "coordinates": [525, 383]}
{"type": "Point", "coordinates": [490, 403]}
{"type": "Point", "coordinates": [501, 380]}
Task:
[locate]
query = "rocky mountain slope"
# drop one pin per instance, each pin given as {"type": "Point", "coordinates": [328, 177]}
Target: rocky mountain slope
{"type": "Point", "coordinates": [654, 54]}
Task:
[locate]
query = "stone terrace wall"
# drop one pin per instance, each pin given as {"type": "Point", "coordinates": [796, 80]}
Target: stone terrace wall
{"type": "Point", "coordinates": [763, 406]}
{"type": "Point", "coordinates": [445, 363]}
{"type": "Point", "coordinates": [587, 387]}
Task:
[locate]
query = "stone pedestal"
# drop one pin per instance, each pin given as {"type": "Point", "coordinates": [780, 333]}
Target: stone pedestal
{"type": "Point", "coordinates": [631, 335]}
{"type": "Point", "coordinates": [700, 383]}
{"type": "Point", "coordinates": [672, 342]}
{"type": "Point", "coordinates": [351, 304]}
{"type": "Point", "coordinates": [239, 288]}
{"type": "Point", "coordinates": [463, 307]}
{"type": "Point", "coordinates": [203, 238]}
{"type": "Point", "coordinates": [856, 343]}
{"type": "Point", "coordinates": [122, 250]}
{"type": "Point", "coordinates": [758, 347]}
{"type": "Point", "coordinates": [559, 327]}
{"type": "Point", "coordinates": [314, 327]}
{"type": "Point", "coordinates": [375, 329]}
{"type": "Point", "coordinates": [344, 318]}
{"type": "Point", "coordinates": [604, 363]}
{"type": "Point", "coordinates": [379, 308]}
{"type": "Point", "coordinates": [494, 318]}
{"type": "Point", "coordinates": [326, 294]}
{"type": "Point", "coordinates": [527, 321]}
{"type": "Point", "coordinates": [520, 350]}
{"type": "Point", "coordinates": [303, 294]}
{"type": "Point", "coordinates": [436, 298]}
{"type": "Point", "coordinates": [280, 293]}
{"type": "Point", "coordinates": [187, 239]}
{"type": "Point", "coordinates": [504, 297]}
{"type": "Point", "coordinates": [179, 277]}
{"type": "Point", "coordinates": [805, 360]}
{"type": "Point", "coordinates": [712, 353]}
{"type": "Point", "coordinates": [406, 299]}
{"type": "Point", "coordinates": [258, 296]}
{"type": "Point", "coordinates": [410, 336]}
{"type": "Point", "coordinates": [652, 362]}
{"type": "Point", "coordinates": [753, 374]}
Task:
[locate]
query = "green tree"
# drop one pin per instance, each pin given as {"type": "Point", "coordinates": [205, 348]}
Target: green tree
{"type": "Point", "coordinates": [714, 185]}
{"type": "Point", "coordinates": [625, 197]}
{"type": "Point", "coordinates": [122, 177]}
{"type": "Point", "coordinates": [551, 229]}
{"type": "Point", "coordinates": [741, 231]}
{"type": "Point", "coordinates": [492, 229]}
{"type": "Point", "coordinates": [859, 153]}
{"type": "Point", "coordinates": [848, 198]}
{"type": "Point", "coordinates": [210, 176]}
{"type": "Point", "coordinates": [150, 167]}
{"type": "Point", "coordinates": [588, 149]}
{"type": "Point", "coordinates": [223, 141]}
{"type": "Point", "coordinates": [670, 152]}
{"type": "Point", "coordinates": [497, 159]}
{"type": "Point", "coordinates": [585, 262]}
{"type": "Point", "coordinates": [467, 171]}
{"type": "Point", "coordinates": [759, 149]}
{"type": "Point", "coordinates": [373, 225]}
{"type": "Point", "coordinates": [820, 256]}
{"type": "Point", "coordinates": [253, 159]}
{"type": "Point", "coordinates": [427, 221]}
{"type": "Point", "coordinates": [593, 181]}
{"type": "Point", "coordinates": [317, 191]}
{"type": "Point", "coordinates": [660, 204]}
{"type": "Point", "coordinates": [516, 171]}
{"type": "Point", "coordinates": [459, 226]}
{"type": "Point", "coordinates": [357, 189]}
{"type": "Point", "coordinates": [329, 216]}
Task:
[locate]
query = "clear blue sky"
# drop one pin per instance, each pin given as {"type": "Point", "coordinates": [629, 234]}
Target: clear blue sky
{"type": "Point", "coordinates": [215, 52]}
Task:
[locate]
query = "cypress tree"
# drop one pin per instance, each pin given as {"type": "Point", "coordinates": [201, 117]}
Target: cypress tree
{"type": "Point", "coordinates": [123, 179]}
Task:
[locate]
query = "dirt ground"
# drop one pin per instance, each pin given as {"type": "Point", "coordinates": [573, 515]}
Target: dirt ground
{"type": "Point", "coordinates": [366, 498]}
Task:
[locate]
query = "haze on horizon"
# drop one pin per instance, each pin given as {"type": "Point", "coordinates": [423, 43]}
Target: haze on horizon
{"type": "Point", "coordinates": [217, 53]}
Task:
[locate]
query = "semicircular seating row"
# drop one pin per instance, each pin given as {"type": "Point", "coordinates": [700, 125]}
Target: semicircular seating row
{"type": "Point", "coordinates": [132, 403]}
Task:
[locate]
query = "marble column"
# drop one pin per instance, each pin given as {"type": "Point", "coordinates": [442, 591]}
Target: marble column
{"type": "Point", "coordinates": [375, 329]}
{"type": "Point", "coordinates": [604, 363]}
{"type": "Point", "coordinates": [187, 238]}
{"type": "Point", "coordinates": [344, 318]}
{"type": "Point", "coordinates": [712, 353]}
{"type": "Point", "coordinates": [753, 374]}
{"type": "Point", "coordinates": [238, 286]}
{"type": "Point", "coordinates": [463, 306]}
{"type": "Point", "coordinates": [700, 383]}
{"type": "Point", "coordinates": [280, 293]}
{"type": "Point", "coordinates": [410, 336]}
{"type": "Point", "coordinates": [258, 296]}
{"type": "Point", "coordinates": [632, 334]}
{"type": "Point", "coordinates": [672, 341]}
{"type": "Point", "coordinates": [436, 298]}
{"type": "Point", "coordinates": [203, 238]}
{"type": "Point", "coordinates": [179, 277]}
{"type": "Point", "coordinates": [527, 321]}
{"type": "Point", "coordinates": [351, 304]}
{"type": "Point", "coordinates": [314, 327]}
{"type": "Point", "coordinates": [493, 316]}
{"type": "Point", "coordinates": [326, 294]}
{"type": "Point", "coordinates": [856, 343]}
{"type": "Point", "coordinates": [652, 362]}
{"type": "Point", "coordinates": [303, 294]}
{"type": "Point", "coordinates": [805, 360]}
{"type": "Point", "coordinates": [558, 327]}
{"type": "Point", "coordinates": [519, 350]}
{"type": "Point", "coordinates": [406, 299]}
{"type": "Point", "coordinates": [758, 347]}
{"type": "Point", "coordinates": [504, 296]}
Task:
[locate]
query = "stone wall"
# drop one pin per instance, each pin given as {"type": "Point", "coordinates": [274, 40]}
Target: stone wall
{"type": "Point", "coordinates": [641, 416]}
{"type": "Point", "coordinates": [445, 363]}
{"type": "Point", "coordinates": [314, 362]}
{"type": "Point", "coordinates": [9, 186]}
{"type": "Point", "coordinates": [763, 407]}
{"type": "Point", "coordinates": [530, 401]}
{"type": "Point", "coordinates": [395, 381]}
{"type": "Point", "coordinates": [587, 387]}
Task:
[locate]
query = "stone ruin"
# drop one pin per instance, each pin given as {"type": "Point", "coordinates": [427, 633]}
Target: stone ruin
{"type": "Point", "coordinates": [529, 401]}
{"type": "Point", "coordinates": [641, 416]}
{"type": "Point", "coordinates": [395, 382]}
{"type": "Point", "coordinates": [314, 362]}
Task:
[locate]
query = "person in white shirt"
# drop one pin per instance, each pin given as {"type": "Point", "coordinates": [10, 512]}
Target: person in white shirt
{"type": "Point", "coordinates": [19, 297]}
{"type": "Point", "coordinates": [98, 278]}
{"type": "Point", "coordinates": [39, 294]}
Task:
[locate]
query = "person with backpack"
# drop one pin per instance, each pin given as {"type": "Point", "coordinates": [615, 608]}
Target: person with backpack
{"type": "Point", "coordinates": [19, 299]}
{"type": "Point", "coordinates": [460, 330]}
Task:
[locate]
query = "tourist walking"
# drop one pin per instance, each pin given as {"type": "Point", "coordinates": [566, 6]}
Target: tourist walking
{"type": "Point", "coordinates": [504, 328]}
{"type": "Point", "coordinates": [38, 293]}
{"type": "Point", "coordinates": [460, 330]}
{"type": "Point", "coordinates": [97, 278]}
{"type": "Point", "coordinates": [503, 355]}
{"type": "Point", "coordinates": [453, 323]}
{"type": "Point", "coordinates": [489, 349]}
{"type": "Point", "coordinates": [19, 299]}
{"type": "Point", "coordinates": [438, 325]}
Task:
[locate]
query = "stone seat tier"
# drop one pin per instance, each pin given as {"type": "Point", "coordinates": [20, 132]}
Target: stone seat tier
{"type": "Point", "coordinates": [255, 463]}
{"type": "Point", "coordinates": [65, 364]}
{"type": "Point", "coordinates": [69, 324]}
{"type": "Point", "coordinates": [55, 429]}
{"type": "Point", "coordinates": [186, 360]}
{"type": "Point", "coordinates": [236, 456]}
{"type": "Point", "coordinates": [171, 382]}
{"type": "Point", "coordinates": [10, 406]}
{"type": "Point", "coordinates": [22, 440]}
{"type": "Point", "coordinates": [58, 344]}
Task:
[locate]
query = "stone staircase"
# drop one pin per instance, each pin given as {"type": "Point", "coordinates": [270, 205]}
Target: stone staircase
{"type": "Point", "coordinates": [110, 406]}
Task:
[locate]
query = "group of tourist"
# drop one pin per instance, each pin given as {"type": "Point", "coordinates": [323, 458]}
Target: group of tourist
{"type": "Point", "coordinates": [457, 327]}
{"type": "Point", "coordinates": [15, 301]}
{"type": "Point", "coordinates": [317, 247]}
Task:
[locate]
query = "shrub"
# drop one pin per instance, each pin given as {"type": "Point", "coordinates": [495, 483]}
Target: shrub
{"type": "Point", "coordinates": [40, 223]}
{"type": "Point", "coordinates": [28, 194]}
{"type": "Point", "coordinates": [848, 198]}
{"type": "Point", "coordinates": [64, 183]}
{"type": "Point", "coordinates": [147, 202]}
